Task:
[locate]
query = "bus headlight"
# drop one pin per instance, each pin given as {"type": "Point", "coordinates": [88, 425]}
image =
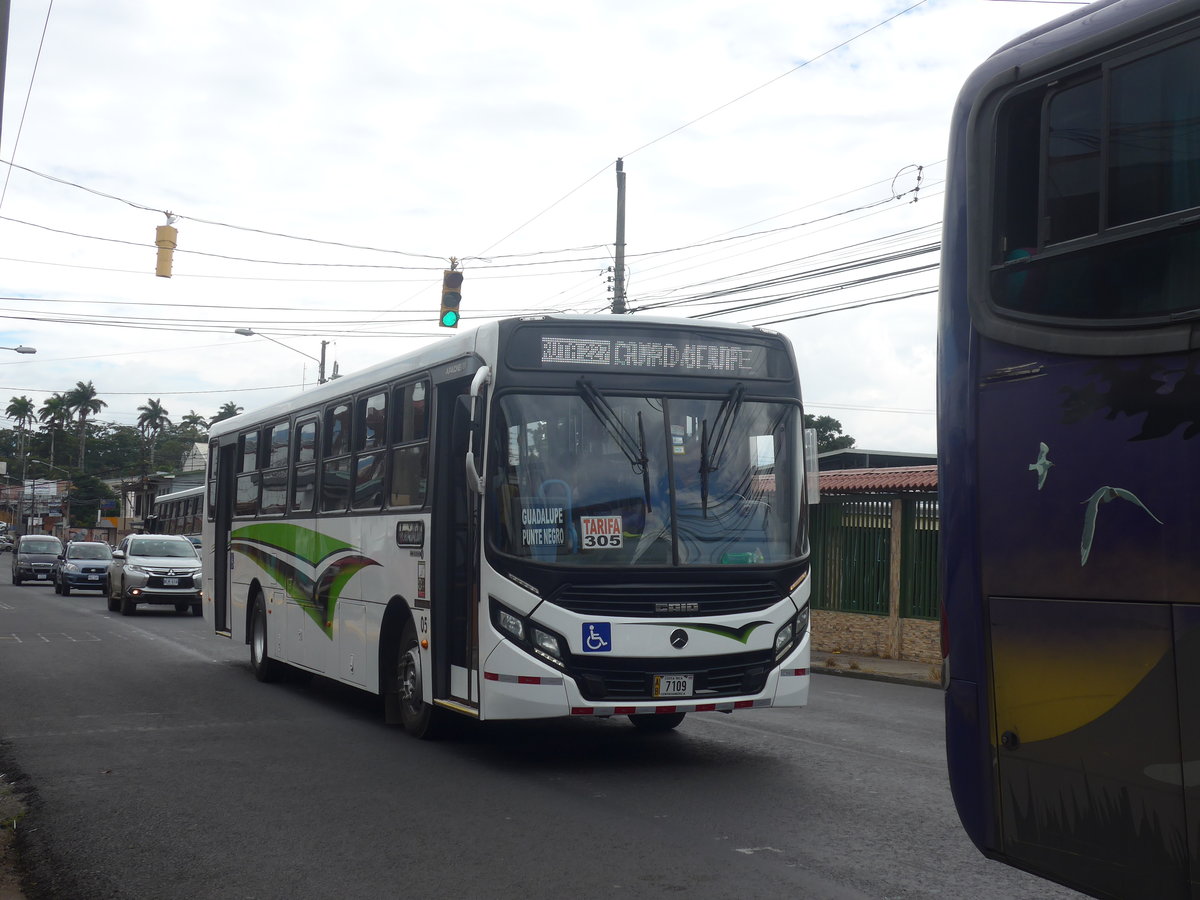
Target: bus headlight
{"type": "Point", "coordinates": [536, 640]}
{"type": "Point", "coordinates": [791, 633]}
{"type": "Point", "coordinates": [510, 623]}
{"type": "Point", "coordinates": [546, 642]}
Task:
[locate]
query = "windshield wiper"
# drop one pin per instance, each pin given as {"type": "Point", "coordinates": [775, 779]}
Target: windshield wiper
{"type": "Point", "coordinates": [710, 461]}
{"type": "Point", "coordinates": [633, 448]}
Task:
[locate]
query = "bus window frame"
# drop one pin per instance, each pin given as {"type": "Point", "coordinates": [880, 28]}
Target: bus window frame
{"type": "Point", "coordinates": [984, 150]}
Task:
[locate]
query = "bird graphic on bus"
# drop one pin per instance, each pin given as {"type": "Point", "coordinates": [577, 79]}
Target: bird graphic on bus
{"type": "Point", "coordinates": [1042, 465]}
{"type": "Point", "coordinates": [1103, 495]}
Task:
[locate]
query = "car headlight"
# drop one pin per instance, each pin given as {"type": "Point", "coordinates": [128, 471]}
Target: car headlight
{"type": "Point", "coordinates": [70, 567]}
{"type": "Point", "coordinates": [139, 569]}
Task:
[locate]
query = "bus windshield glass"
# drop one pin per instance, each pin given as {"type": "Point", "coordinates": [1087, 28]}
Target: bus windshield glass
{"type": "Point", "coordinates": [593, 479]}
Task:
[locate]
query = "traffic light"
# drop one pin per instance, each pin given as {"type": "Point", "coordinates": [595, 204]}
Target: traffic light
{"type": "Point", "coordinates": [451, 297]}
{"type": "Point", "coordinates": [164, 238]}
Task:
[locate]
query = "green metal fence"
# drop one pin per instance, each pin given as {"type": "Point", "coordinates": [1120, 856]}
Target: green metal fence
{"type": "Point", "coordinates": [851, 562]}
{"type": "Point", "coordinates": [851, 544]}
{"type": "Point", "coordinates": [919, 594]}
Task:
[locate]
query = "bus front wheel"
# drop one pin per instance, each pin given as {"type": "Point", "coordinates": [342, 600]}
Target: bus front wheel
{"type": "Point", "coordinates": [419, 718]}
{"type": "Point", "coordinates": [265, 668]}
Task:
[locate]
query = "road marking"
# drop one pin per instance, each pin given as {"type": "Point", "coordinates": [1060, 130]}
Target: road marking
{"type": "Point", "coordinates": [10, 637]}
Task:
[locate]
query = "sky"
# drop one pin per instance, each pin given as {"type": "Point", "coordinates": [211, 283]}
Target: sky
{"type": "Point", "coordinates": [784, 162]}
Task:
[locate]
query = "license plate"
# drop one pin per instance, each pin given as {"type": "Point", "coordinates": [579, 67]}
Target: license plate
{"type": "Point", "coordinates": [41, 576]}
{"type": "Point", "coordinates": [93, 578]}
{"type": "Point", "coordinates": [170, 582]}
{"type": "Point", "coordinates": [673, 685]}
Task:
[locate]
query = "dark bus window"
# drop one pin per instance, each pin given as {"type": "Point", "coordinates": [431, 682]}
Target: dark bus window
{"type": "Point", "coordinates": [372, 421]}
{"type": "Point", "coordinates": [410, 416]}
{"type": "Point", "coordinates": [410, 472]}
{"type": "Point", "coordinates": [306, 441]}
{"type": "Point", "coordinates": [248, 446]}
{"type": "Point", "coordinates": [1154, 135]}
{"type": "Point", "coordinates": [274, 491]}
{"type": "Point", "coordinates": [277, 445]}
{"type": "Point", "coordinates": [335, 484]}
{"type": "Point", "coordinates": [246, 503]}
{"type": "Point", "coordinates": [304, 487]}
{"type": "Point", "coordinates": [337, 430]}
{"type": "Point", "coordinates": [1073, 162]}
{"type": "Point", "coordinates": [369, 472]}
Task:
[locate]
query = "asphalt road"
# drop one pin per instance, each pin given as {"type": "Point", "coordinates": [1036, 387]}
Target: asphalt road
{"type": "Point", "coordinates": [154, 765]}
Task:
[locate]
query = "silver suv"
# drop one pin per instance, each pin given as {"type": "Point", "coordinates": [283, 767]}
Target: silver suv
{"type": "Point", "coordinates": [154, 568]}
{"type": "Point", "coordinates": [34, 556]}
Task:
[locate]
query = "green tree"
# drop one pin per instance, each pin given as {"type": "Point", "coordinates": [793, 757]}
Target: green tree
{"type": "Point", "coordinates": [83, 402]}
{"type": "Point", "coordinates": [227, 411]}
{"type": "Point", "coordinates": [152, 419]}
{"type": "Point", "coordinates": [54, 414]}
{"type": "Point", "coordinates": [22, 411]}
{"type": "Point", "coordinates": [193, 425]}
{"type": "Point", "coordinates": [87, 494]}
{"type": "Point", "coordinates": [829, 433]}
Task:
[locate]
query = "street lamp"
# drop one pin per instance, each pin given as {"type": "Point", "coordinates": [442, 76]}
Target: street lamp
{"type": "Point", "coordinates": [250, 332]}
{"type": "Point", "coordinates": [21, 349]}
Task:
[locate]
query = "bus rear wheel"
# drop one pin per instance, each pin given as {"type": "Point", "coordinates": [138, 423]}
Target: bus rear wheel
{"type": "Point", "coordinates": [265, 668]}
{"type": "Point", "coordinates": [419, 718]}
{"type": "Point", "coordinates": [652, 723]}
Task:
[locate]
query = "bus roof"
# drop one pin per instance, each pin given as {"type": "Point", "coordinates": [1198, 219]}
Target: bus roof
{"type": "Point", "coordinates": [445, 350]}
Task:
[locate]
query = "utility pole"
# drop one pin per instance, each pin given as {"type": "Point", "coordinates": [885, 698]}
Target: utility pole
{"type": "Point", "coordinates": [321, 370]}
{"type": "Point", "coordinates": [618, 304]}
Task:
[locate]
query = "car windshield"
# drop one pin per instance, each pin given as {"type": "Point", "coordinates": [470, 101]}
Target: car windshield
{"type": "Point", "coordinates": [45, 546]}
{"type": "Point", "coordinates": [593, 479]}
{"type": "Point", "coordinates": [161, 548]}
{"type": "Point", "coordinates": [88, 551]}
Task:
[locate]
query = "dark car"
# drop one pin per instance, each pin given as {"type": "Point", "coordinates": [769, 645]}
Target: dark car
{"type": "Point", "coordinates": [34, 556]}
{"type": "Point", "coordinates": [154, 568]}
{"type": "Point", "coordinates": [83, 565]}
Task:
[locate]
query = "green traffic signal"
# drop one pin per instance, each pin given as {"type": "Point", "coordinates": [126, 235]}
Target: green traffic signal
{"type": "Point", "coordinates": [451, 297]}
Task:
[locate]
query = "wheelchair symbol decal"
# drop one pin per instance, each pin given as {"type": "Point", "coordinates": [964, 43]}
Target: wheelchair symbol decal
{"type": "Point", "coordinates": [597, 637]}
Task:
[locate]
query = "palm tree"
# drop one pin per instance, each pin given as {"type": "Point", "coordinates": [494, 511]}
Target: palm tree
{"type": "Point", "coordinates": [194, 422]}
{"type": "Point", "coordinates": [227, 411]}
{"type": "Point", "coordinates": [55, 413]}
{"type": "Point", "coordinates": [152, 419]}
{"type": "Point", "coordinates": [83, 402]}
{"type": "Point", "coordinates": [22, 411]}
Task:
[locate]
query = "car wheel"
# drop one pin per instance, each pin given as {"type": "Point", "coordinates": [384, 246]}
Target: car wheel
{"type": "Point", "coordinates": [112, 601]}
{"type": "Point", "coordinates": [656, 722]}
{"type": "Point", "coordinates": [181, 607]}
{"type": "Point", "coordinates": [265, 668]}
{"type": "Point", "coordinates": [16, 578]}
{"type": "Point", "coordinates": [197, 610]}
{"type": "Point", "coordinates": [128, 605]}
{"type": "Point", "coordinates": [63, 588]}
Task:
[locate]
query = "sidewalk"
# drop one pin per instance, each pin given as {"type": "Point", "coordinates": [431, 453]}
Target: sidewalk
{"type": "Point", "coordinates": [898, 670]}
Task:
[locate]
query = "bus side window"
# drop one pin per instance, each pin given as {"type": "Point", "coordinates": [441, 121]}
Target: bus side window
{"type": "Point", "coordinates": [409, 455]}
{"type": "Point", "coordinates": [246, 503]}
{"type": "Point", "coordinates": [304, 465]}
{"type": "Point", "coordinates": [335, 467]}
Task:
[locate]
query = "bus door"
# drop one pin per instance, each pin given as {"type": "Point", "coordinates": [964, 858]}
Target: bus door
{"type": "Point", "coordinates": [225, 465]}
{"type": "Point", "coordinates": [453, 557]}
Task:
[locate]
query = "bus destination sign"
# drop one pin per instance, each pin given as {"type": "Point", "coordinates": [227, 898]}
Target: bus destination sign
{"type": "Point", "coordinates": [653, 352]}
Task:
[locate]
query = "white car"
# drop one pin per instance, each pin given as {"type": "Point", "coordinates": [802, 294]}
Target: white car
{"type": "Point", "coordinates": [154, 568]}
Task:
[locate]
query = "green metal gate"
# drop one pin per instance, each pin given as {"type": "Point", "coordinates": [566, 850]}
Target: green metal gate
{"type": "Point", "coordinates": [851, 546]}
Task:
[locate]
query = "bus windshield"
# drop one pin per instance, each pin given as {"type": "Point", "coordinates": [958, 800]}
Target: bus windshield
{"type": "Point", "coordinates": [592, 479]}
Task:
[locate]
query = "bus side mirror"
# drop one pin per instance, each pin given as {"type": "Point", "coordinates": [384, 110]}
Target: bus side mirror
{"type": "Point", "coordinates": [812, 471]}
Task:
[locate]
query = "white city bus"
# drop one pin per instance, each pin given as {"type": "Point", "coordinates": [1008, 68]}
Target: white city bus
{"type": "Point", "coordinates": [547, 516]}
{"type": "Point", "coordinates": [179, 512]}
